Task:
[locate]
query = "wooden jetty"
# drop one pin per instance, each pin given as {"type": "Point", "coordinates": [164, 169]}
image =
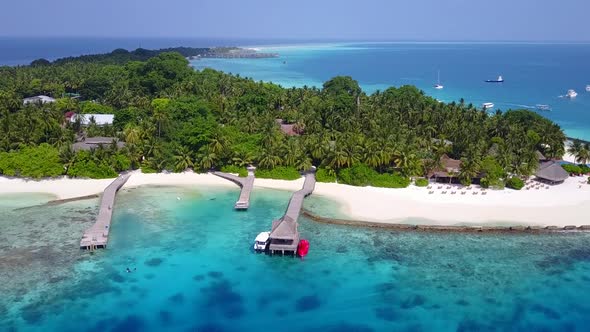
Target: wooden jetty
{"type": "Point", "coordinates": [284, 235]}
{"type": "Point", "coordinates": [243, 202]}
{"type": "Point", "coordinates": [97, 235]}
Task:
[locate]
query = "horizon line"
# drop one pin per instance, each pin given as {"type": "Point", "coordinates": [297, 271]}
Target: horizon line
{"type": "Point", "coordinates": [302, 39]}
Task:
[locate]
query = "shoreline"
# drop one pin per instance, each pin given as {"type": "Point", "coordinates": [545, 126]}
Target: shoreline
{"type": "Point", "coordinates": [445, 228]}
{"type": "Point", "coordinates": [562, 205]}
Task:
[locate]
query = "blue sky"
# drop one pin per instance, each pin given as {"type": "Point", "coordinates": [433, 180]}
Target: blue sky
{"type": "Point", "coordinates": [533, 20]}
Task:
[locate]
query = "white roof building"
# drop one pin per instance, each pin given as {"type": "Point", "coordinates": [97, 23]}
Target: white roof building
{"type": "Point", "coordinates": [99, 119]}
{"type": "Point", "coordinates": [38, 100]}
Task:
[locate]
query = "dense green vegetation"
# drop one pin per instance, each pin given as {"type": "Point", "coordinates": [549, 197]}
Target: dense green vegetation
{"type": "Point", "coordinates": [515, 183]}
{"type": "Point", "coordinates": [421, 182]}
{"type": "Point", "coordinates": [172, 117]}
{"type": "Point", "coordinates": [576, 169]}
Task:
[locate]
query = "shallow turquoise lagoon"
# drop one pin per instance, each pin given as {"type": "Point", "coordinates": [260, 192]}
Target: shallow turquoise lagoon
{"type": "Point", "coordinates": [194, 270]}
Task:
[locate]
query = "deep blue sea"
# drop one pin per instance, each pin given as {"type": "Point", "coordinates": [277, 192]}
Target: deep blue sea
{"type": "Point", "coordinates": [194, 270]}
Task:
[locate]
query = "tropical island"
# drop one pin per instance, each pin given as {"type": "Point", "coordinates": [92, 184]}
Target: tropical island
{"type": "Point", "coordinates": [94, 116]}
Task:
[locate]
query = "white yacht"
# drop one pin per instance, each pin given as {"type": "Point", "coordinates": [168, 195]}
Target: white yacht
{"type": "Point", "coordinates": [487, 105]}
{"type": "Point", "coordinates": [571, 94]}
{"type": "Point", "coordinates": [588, 87]}
{"type": "Point", "coordinates": [438, 86]}
{"type": "Point", "coordinates": [500, 79]}
{"type": "Point", "coordinates": [261, 241]}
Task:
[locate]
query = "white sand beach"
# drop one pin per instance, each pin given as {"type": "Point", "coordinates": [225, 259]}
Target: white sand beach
{"type": "Point", "coordinates": [560, 205]}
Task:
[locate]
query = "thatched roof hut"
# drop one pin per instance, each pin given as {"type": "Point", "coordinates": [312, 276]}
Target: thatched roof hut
{"type": "Point", "coordinates": [448, 166]}
{"type": "Point", "coordinates": [284, 235]}
{"type": "Point", "coordinates": [552, 172]}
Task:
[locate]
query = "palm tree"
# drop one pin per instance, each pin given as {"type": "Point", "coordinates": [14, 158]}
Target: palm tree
{"type": "Point", "coordinates": [183, 159]}
{"type": "Point", "coordinates": [268, 159]}
{"type": "Point", "coordinates": [582, 152]}
{"type": "Point", "coordinates": [67, 157]}
{"type": "Point", "coordinates": [469, 169]}
{"type": "Point", "coordinates": [132, 134]}
{"type": "Point", "coordinates": [160, 118]}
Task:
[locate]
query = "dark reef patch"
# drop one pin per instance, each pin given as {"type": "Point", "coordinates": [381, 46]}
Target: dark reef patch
{"type": "Point", "coordinates": [387, 314]}
{"type": "Point", "coordinates": [307, 303]}
{"type": "Point", "coordinates": [215, 274]}
{"type": "Point", "coordinates": [282, 312]}
{"type": "Point", "coordinates": [221, 296]}
{"type": "Point", "coordinates": [116, 277]}
{"type": "Point", "coordinates": [341, 249]}
{"type": "Point", "coordinates": [413, 301]}
{"type": "Point", "coordinates": [198, 277]}
{"type": "Point", "coordinates": [165, 317]}
{"type": "Point", "coordinates": [177, 298]}
{"type": "Point", "coordinates": [385, 287]}
{"type": "Point", "coordinates": [547, 312]}
{"type": "Point", "coordinates": [207, 327]}
{"type": "Point", "coordinates": [154, 262]}
{"type": "Point", "coordinates": [343, 327]}
{"type": "Point", "coordinates": [131, 323]}
{"type": "Point", "coordinates": [469, 325]}
{"type": "Point", "coordinates": [462, 302]}
{"type": "Point", "coordinates": [32, 313]}
{"type": "Point", "coordinates": [149, 276]}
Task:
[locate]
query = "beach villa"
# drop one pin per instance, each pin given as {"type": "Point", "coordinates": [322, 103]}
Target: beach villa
{"type": "Point", "coordinates": [38, 100]}
{"type": "Point", "coordinates": [284, 236]}
{"type": "Point", "coordinates": [448, 171]}
{"type": "Point", "coordinates": [92, 143]}
{"type": "Point", "coordinates": [551, 172]}
{"type": "Point", "coordinates": [87, 119]}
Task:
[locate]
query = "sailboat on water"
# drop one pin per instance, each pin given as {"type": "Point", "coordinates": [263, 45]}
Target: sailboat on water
{"type": "Point", "coordinates": [438, 86]}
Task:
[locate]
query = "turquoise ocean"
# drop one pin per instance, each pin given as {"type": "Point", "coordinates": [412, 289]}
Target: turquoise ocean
{"type": "Point", "coordinates": [534, 73]}
{"type": "Point", "coordinates": [193, 269]}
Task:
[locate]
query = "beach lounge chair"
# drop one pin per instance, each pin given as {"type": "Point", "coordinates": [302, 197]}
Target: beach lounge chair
{"type": "Point", "coordinates": [475, 193]}
{"type": "Point", "coordinates": [429, 187]}
{"type": "Point", "coordinates": [439, 187]}
{"type": "Point", "coordinates": [453, 192]}
{"type": "Point", "coordinates": [463, 192]}
{"type": "Point", "coordinates": [431, 192]}
{"type": "Point", "coordinates": [444, 192]}
{"type": "Point", "coordinates": [484, 193]}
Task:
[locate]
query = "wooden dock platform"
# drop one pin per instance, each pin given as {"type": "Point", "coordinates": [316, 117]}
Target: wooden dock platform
{"type": "Point", "coordinates": [284, 236]}
{"type": "Point", "coordinates": [97, 235]}
{"type": "Point", "coordinates": [247, 183]}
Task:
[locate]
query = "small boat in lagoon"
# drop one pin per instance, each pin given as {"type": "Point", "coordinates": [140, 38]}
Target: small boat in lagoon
{"type": "Point", "coordinates": [571, 94]}
{"type": "Point", "coordinates": [588, 87]}
{"type": "Point", "coordinates": [438, 86]}
{"type": "Point", "coordinates": [542, 107]}
{"type": "Point", "coordinates": [500, 79]}
{"type": "Point", "coordinates": [487, 106]}
{"type": "Point", "coordinates": [303, 248]}
{"type": "Point", "coordinates": [261, 241]}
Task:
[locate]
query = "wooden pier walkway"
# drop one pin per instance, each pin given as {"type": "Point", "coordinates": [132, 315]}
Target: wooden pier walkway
{"type": "Point", "coordinates": [284, 236]}
{"type": "Point", "coordinates": [246, 184]}
{"type": "Point", "coordinates": [97, 235]}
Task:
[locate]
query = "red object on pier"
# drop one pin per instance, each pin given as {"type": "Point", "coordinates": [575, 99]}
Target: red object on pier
{"type": "Point", "coordinates": [303, 248]}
